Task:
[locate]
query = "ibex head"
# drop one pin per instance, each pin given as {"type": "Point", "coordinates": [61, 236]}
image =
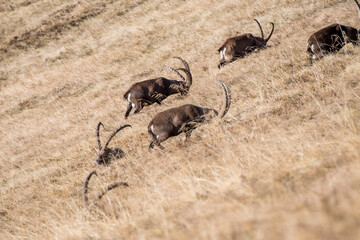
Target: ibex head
{"type": "Point", "coordinates": [106, 154]}
{"type": "Point", "coordinates": [187, 82]}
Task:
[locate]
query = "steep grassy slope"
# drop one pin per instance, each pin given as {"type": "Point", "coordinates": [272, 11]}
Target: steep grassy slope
{"type": "Point", "coordinates": [283, 164]}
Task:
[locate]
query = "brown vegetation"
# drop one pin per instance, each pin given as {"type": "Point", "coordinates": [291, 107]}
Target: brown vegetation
{"type": "Point", "coordinates": [282, 164]}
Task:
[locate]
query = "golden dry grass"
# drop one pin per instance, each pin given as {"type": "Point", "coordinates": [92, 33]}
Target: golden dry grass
{"type": "Point", "coordinates": [283, 164]}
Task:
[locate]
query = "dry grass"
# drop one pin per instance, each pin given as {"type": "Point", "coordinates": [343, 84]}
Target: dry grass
{"type": "Point", "coordinates": [284, 163]}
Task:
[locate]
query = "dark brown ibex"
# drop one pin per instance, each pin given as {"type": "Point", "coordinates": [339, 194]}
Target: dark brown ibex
{"type": "Point", "coordinates": [185, 118]}
{"type": "Point", "coordinates": [239, 46]}
{"type": "Point", "coordinates": [331, 39]}
{"type": "Point", "coordinates": [155, 90]}
{"type": "Point", "coordinates": [102, 192]}
{"type": "Point", "coordinates": [106, 154]}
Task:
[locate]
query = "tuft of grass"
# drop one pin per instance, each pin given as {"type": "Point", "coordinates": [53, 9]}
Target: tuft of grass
{"type": "Point", "coordinates": [282, 164]}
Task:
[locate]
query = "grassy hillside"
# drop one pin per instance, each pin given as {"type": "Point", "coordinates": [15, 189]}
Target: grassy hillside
{"type": "Point", "coordinates": [283, 163]}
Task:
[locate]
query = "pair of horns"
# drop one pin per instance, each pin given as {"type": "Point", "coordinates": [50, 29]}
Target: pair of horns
{"type": "Point", "coordinates": [103, 191]}
{"type": "Point", "coordinates": [111, 135]}
{"type": "Point", "coordinates": [262, 33]}
{"type": "Point", "coordinates": [186, 70]}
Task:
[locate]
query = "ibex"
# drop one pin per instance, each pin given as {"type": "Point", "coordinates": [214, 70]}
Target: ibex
{"type": "Point", "coordinates": [185, 118]}
{"type": "Point", "coordinates": [102, 192]}
{"type": "Point", "coordinates": [155, 90]}
{"type": "Point", "coordinates": [106, 154]}
{"type": "Point", "coordinates": [331, 39]}
{"type": "Point", "coordinates": [239, 46]}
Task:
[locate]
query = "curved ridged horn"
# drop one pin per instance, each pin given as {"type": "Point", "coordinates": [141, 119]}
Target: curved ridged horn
{"type": "Point", "coordinates": [86, 184]}
{"type": "Point", "coordinates": [110, 187]}
{"type": "Point", "coordinates": [262, 33]}
{"type": "Point", "coordinates": [188, 76]}
{"type": "Point", "coordinates": [357, 3]}
{"type": "Point", "coordinates": [98, 134]}
{"type": "Point", "coordinates": [175, 70]}
{"type": "Point", "coordinates": [114, 133]}
{"type": "Point", "coordinates": [188, 73]}
{"type": "Point", "coordinates": [184, 62]}
{"type": "Point", "coordinates": [227, 99]}
{"type": "Point", "coordinates": [272, 30]}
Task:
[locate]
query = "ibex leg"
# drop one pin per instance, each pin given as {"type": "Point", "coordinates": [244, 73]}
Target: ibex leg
{"type": "Point", "coordinates": [138, 106]}
{"type": "Point", "coordinates": [128, 109]}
